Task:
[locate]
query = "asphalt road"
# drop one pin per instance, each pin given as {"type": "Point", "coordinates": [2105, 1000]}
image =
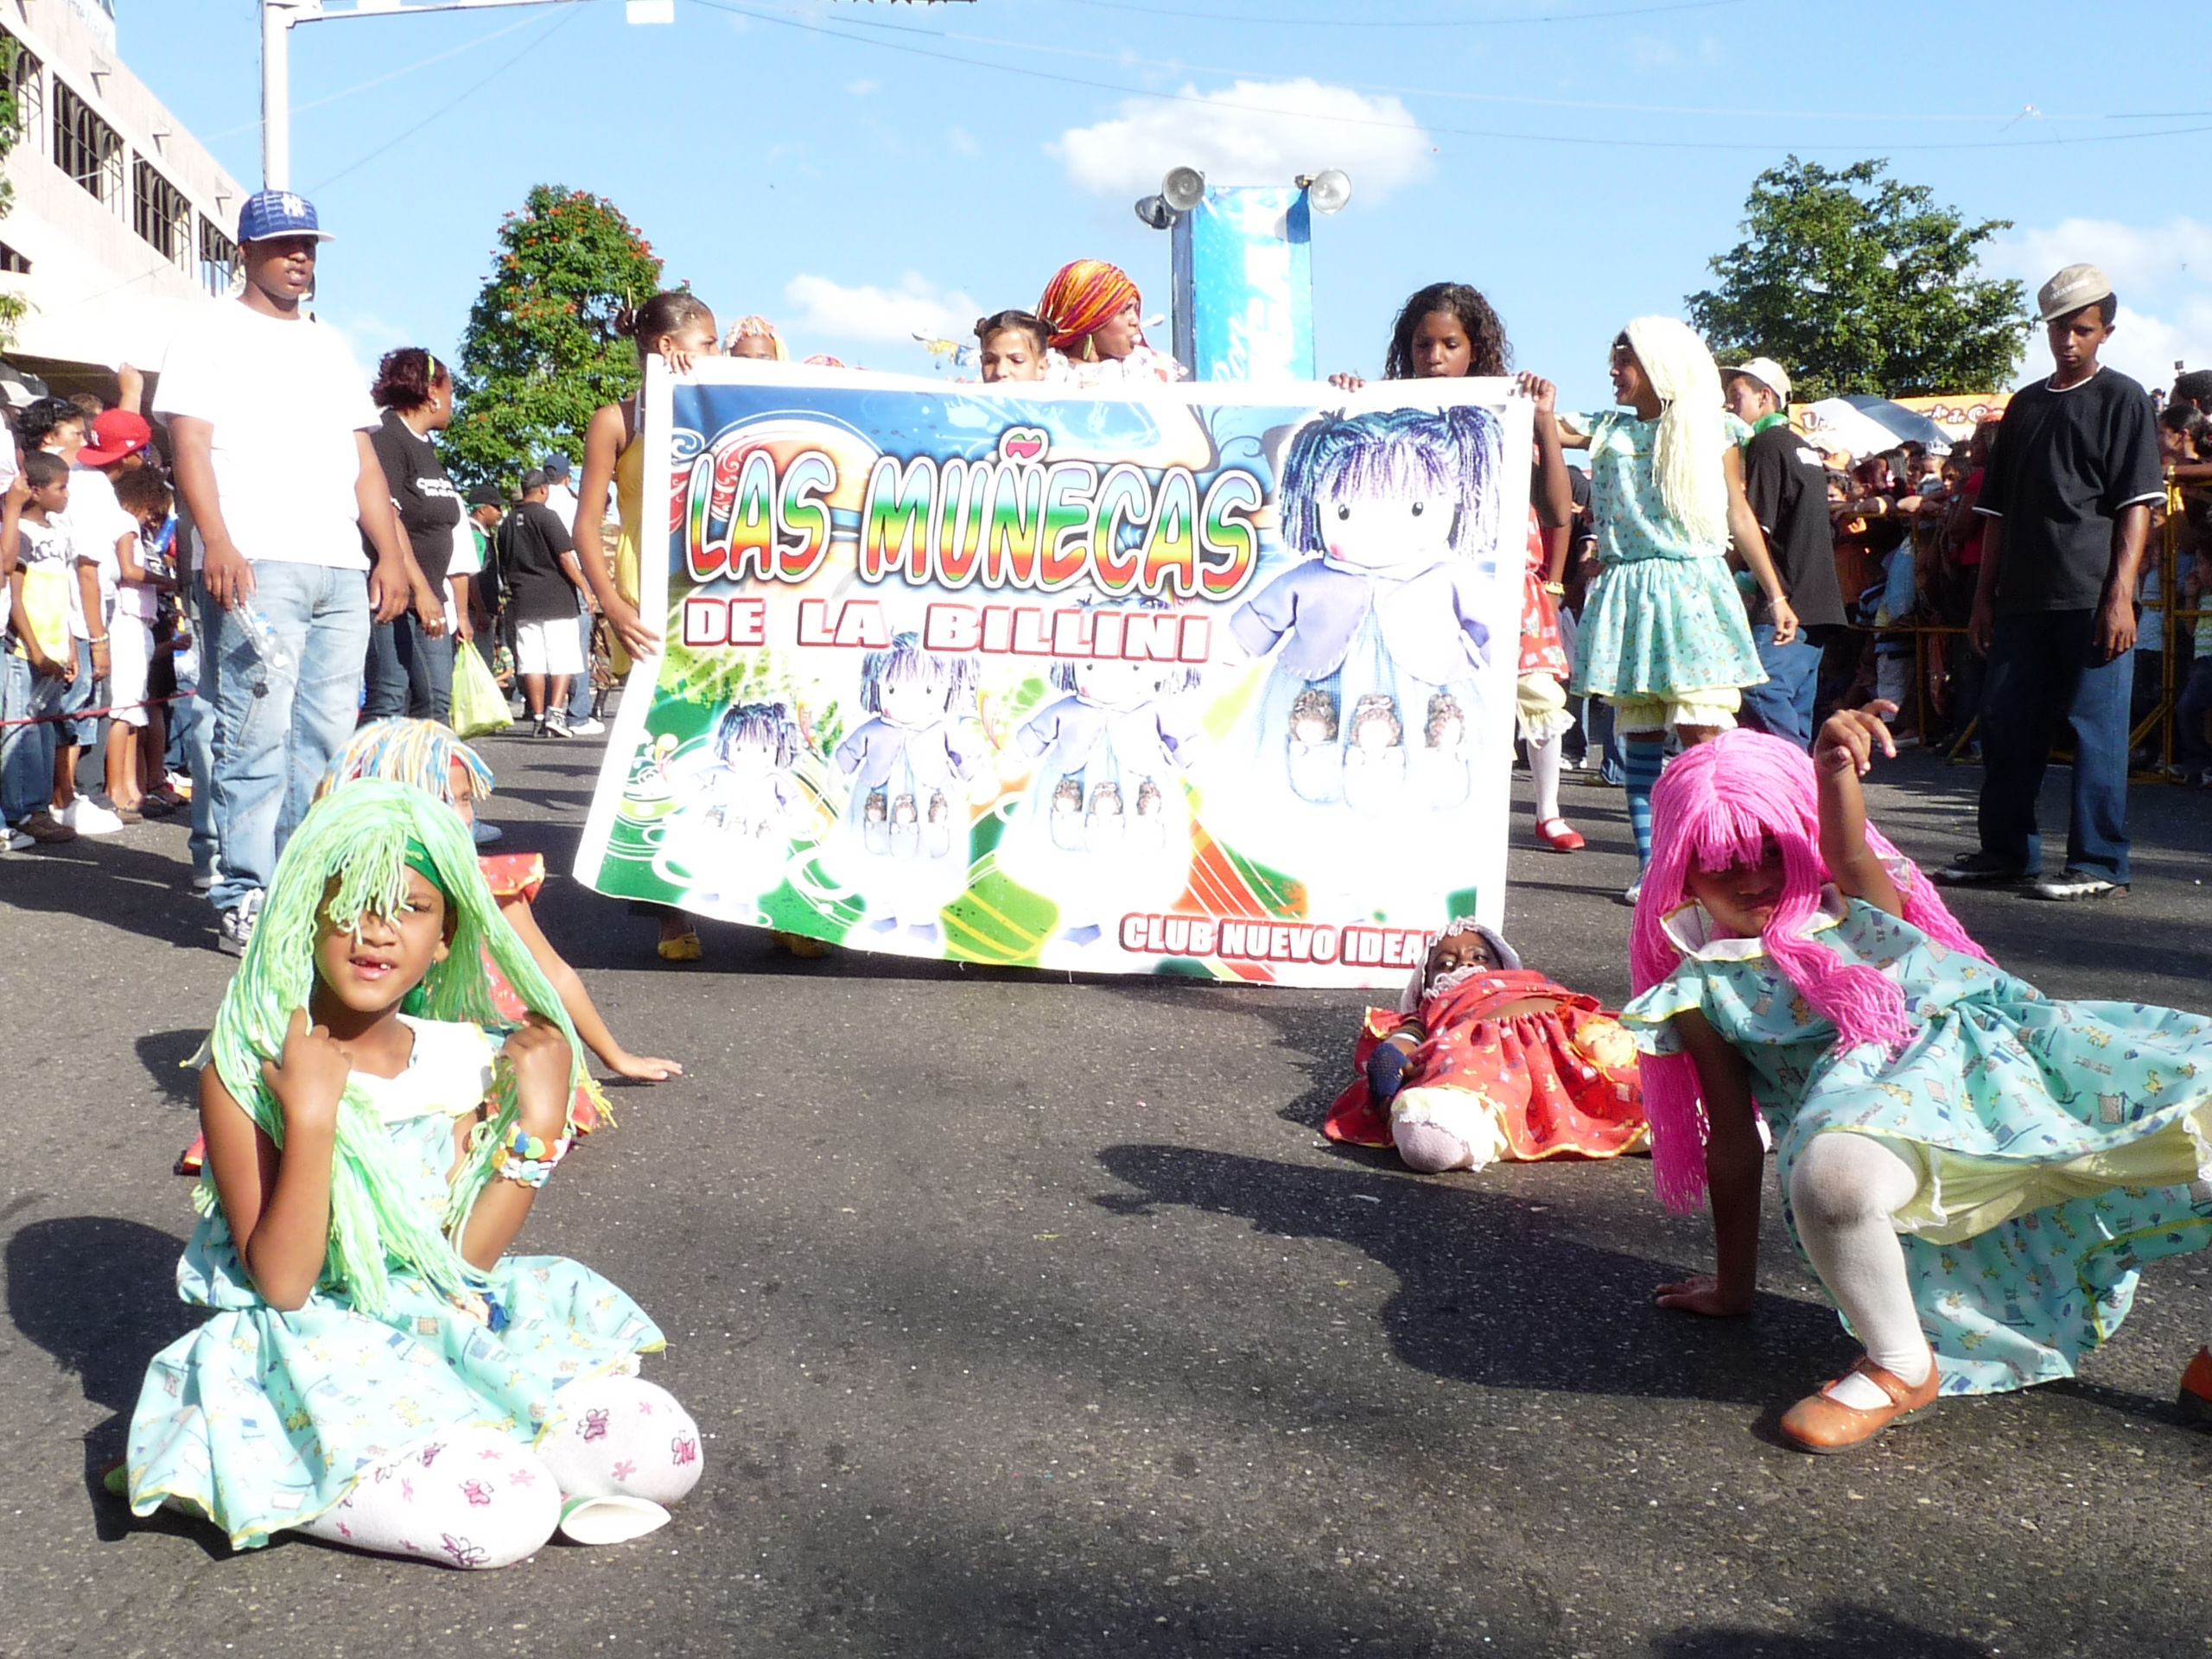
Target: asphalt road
{"type": "Point", "coordinates": [1029, 1317]}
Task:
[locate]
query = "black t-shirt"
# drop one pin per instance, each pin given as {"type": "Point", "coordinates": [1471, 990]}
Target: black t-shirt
{"type": "Point", "coordinates": [429, 505]}
{"type": "Point", "coordinates": [2063, 467]}
{"type": "Point", "coordinates": [1788, 485]}
{"type": "Point", "coordinates": [531, 542]}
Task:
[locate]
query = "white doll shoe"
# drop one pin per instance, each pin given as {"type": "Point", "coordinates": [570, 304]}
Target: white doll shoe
{"type": "Point", "coordinates": [610, 1520]}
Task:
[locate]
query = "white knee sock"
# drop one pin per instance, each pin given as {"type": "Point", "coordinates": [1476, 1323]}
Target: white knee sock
{"type": "Point", "coordinates": [622, 1437]}
{"type": "Point", "coordinates": [1544, 769]}
{"type": "Point", "coordinates": [471, 1497]}
{"type": "Point", "coordinates": [1844, 1190]}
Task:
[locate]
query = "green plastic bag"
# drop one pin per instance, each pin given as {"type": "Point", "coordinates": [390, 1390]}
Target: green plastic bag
{"type": "Point", "coordinates": [478, 706]}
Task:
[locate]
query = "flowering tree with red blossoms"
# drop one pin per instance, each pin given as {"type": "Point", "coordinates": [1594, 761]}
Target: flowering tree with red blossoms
{"type": "Point", "coordinates": [542, 351]}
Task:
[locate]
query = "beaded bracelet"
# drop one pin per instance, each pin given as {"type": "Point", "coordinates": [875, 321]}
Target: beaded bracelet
{"type": "Point", "coordinates": [530, 1159]}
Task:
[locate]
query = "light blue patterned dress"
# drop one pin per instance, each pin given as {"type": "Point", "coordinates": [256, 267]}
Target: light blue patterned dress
{"type": "Point", "coordinates": [261, 1419]}
{"type": "Point", "coordinates": [1663, 616]}
{"type": "Point", "coordinates": [2060, 1145]}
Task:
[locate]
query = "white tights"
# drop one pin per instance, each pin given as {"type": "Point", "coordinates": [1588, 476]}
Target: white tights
{"type": "Point", "coordinates": [1543, 771]}
{"type": "Point", "coordinates": [1844, 1190]}
{"type": "Point", "coordinates": [469, 1497]}
{"type": "Point", "coordinates": [473, 1497]}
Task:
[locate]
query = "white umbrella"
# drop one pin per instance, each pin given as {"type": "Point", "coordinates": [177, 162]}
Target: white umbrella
{"type": "Point", "coordinates": [1866, 425]}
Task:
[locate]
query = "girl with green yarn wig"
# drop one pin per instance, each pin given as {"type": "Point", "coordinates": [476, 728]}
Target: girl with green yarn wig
{"type": "Point", "coordinates": [354, 852]}
{"type": "Point", "coordinates": [373, 1151]}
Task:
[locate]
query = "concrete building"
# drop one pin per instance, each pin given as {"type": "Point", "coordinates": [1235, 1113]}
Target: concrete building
{"type": "Point", "coordinates": [121, 223]}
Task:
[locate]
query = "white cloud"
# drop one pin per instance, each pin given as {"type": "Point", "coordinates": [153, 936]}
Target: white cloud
{"type": "Point", "coordinates": [880, 314]}
{"type": "Point", "coordinates": [962, 143]}
{"type": "Point", "coordinates": [2162, 273]}
{"type": "Point", "coordinates": [1255, 132]}
{"type": "Point", "coordinates": [367, 335]}
{"type": "Point", "coordinates": [2135, 258]}
{"type": "Point", "coordinates": [861, 88]}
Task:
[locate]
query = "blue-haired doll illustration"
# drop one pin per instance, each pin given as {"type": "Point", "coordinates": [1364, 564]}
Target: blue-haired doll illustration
{"type": "Point", "coordinates": [742, 805]}
{"type": "Point", "coordinates": [1395, 516]}
{"type": "Point", "coordinates": [903, 843]}
{"type": "Point", "coordinates": [1105, 826]}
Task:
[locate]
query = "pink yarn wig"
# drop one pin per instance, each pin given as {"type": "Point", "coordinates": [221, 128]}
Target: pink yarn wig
{"type": "Point", "coordinates": [1717, 804]}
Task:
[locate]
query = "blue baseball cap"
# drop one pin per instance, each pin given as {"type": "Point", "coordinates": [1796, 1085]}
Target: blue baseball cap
{"type": "Point", "coordinates": [271, 213]}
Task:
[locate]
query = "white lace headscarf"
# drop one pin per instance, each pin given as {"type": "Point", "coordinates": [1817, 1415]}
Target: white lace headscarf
{"type": "Point", "coordinates": [1687, 457]}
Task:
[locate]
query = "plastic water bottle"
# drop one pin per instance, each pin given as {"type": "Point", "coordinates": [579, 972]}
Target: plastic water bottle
{"type": "Point", "coordinates": [276, 656]}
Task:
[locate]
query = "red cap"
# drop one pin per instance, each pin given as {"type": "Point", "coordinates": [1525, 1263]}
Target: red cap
{"type": "Point", "coordinates": [117, 433]}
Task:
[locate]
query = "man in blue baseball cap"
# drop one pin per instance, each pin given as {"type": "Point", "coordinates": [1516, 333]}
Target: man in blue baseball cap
{"type": "Point", "coordinates": [269, 420]}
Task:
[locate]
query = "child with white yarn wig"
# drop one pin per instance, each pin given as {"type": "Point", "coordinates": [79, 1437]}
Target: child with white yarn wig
{"type": "Point", "coordinates": [1664, 636]}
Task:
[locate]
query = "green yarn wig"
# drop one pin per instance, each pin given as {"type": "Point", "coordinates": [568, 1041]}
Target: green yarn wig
{"type": "Point", "coordinates": [363, 837]}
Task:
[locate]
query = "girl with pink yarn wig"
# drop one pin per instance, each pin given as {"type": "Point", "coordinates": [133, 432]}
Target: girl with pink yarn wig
{"type": "Point", "coordinates": [1975, 1172]}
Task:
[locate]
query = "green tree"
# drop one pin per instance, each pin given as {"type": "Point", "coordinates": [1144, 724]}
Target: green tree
{"type": "Point", "coordinates": [12, 306]}
{"type": "Point", "coordinates": [542, 351]}
{"type": "Point", "coordinates": [1856, 283]}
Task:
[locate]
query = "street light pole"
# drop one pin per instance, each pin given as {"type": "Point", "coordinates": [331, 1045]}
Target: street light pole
{"type": "Point", "coordinates": [278, 17]}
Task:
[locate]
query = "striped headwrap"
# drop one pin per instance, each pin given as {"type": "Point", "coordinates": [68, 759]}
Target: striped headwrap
{"type": "Point", "coordinates": [1081, 297]}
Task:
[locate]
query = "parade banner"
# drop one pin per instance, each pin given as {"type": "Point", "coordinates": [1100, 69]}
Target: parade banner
{"type": "Point", "coordinates": [1212, 680]}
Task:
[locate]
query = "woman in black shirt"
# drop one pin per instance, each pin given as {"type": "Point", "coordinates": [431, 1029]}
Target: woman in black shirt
{"type": "Point", "coordinates": [409, 668]}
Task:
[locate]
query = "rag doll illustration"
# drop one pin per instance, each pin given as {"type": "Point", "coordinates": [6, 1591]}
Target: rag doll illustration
{"type": "Point", "coordinates": [1105, 828]}
{"type": "Point", "coordinates": [1378, 633]}
{"type": "Point", "coordinates": [742, 804]}
{"type": "Point", "coordinates": [903, 846]}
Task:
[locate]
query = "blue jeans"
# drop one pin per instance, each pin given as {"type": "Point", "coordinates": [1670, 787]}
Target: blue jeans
{"type": "Point", "coordinates": [580, 692]}
{"type": "Point", "coordinates": [27, 751]}
{"type": "Point", "coordinates": [87, 690]}
{"type": "Point", "coordinates": [2043, 669]}
{"type": "Point", "coordinates": [407, 672]}
{"type": "Point", "coordinates": [281, 724]}
{"type": "Point", "coordinates": [2190, 746]}
{"type": "Point", "coordinates": [200, 733]}
{"type": "Point", "coordinates": [1783, 706]}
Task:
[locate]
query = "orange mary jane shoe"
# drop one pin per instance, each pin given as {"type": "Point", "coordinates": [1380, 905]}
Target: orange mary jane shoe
{"type": "Point", "coordinates": [1820, 1423]}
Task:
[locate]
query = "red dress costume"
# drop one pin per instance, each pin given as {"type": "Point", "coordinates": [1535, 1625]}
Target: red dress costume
{"type": "Point", "coordinates": [1561, 1081]}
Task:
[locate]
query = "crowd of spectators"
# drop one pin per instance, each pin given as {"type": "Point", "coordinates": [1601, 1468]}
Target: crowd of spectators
{"type": "Point", "coordinates": [319, 567]}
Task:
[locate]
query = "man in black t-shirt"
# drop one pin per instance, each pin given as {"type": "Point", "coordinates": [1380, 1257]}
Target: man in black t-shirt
{"type": "Point", "coordinates": [2068, 495]}
{"type": "Point", "coordinates": [538, 563]}
{"type": "Point", "coordinates": [1787, 482]}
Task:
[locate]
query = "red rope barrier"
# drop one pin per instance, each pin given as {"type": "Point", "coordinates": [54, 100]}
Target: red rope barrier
{"type": "Point", "coordinates": [93, 714]}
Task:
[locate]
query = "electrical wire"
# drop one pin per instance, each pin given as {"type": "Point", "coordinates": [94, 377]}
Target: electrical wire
{"type": "Point", "coordinates": [1532, 19]}
{"type": "Point", "coordinates": [568, 16]}
{"type": "Point", "coordinates": [396, 75]}
{"type": "Point", "coordinates": [1575, 139]}
{"type": "Point", "coordinates": [1977, 118]}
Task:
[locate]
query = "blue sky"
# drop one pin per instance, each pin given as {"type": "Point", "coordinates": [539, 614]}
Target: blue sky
{"type": "Point", "coordinates": [858, 171]}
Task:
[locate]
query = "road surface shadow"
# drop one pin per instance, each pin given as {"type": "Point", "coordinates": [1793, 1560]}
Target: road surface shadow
{"type": "Point", "coordinates": [99, 1294]}
{"type": "Point", "coordinates": [1499, 1291]}
{"type": "Point", "coordinates": [1844, 1632]}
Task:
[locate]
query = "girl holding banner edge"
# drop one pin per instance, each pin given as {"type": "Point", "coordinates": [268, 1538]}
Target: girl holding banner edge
{"type": "Point", "coordinates": [676, 326]}
{"type": "Point", "coordinates": [1449, 330]}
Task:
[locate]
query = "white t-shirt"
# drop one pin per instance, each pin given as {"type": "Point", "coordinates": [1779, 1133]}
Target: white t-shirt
{"type": "Point", "coordinates": [48, 564]}
{"type": "Point", "coordinates": [285, 400]}
{"type": "Point", "coordinates": [562, 500]}
{"type": "Point", "coordinates": [95, 521]}
{"type": "Point", "coordinates": [468, 561]}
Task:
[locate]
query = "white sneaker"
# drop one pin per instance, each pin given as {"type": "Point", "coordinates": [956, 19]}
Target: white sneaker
{"type": "Point", "coordinates": [88, 817]}
{"type": "Point", "coordinates": [556, 722]}
{"type": "Point", "coordinates": [1633, 891]}
{"type": "Point", "coordinates": [586, 727]}
{"type": "Point", "coordinates": [18, 842]}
